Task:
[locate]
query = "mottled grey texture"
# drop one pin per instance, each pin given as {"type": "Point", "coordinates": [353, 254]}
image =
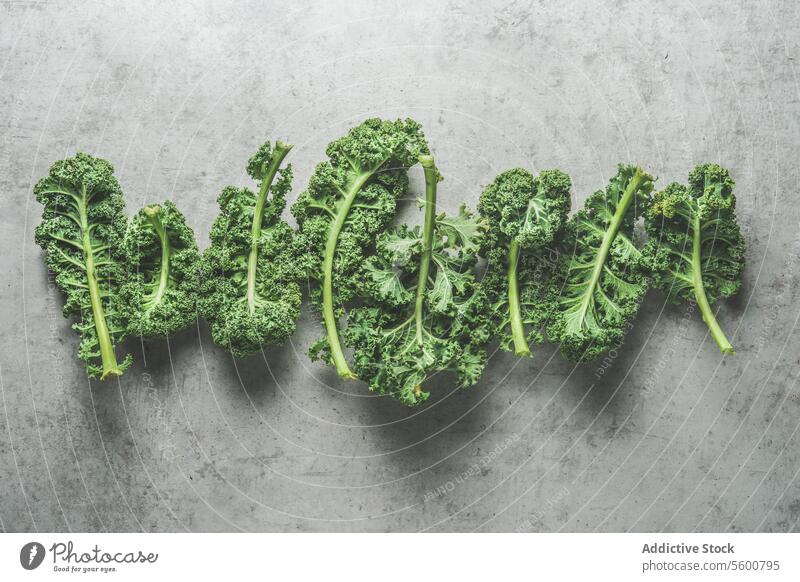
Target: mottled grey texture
{"type": "Point", "coordinates": [671, 436]}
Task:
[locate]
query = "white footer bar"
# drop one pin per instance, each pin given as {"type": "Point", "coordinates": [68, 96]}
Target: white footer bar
{"type": "Point", "coordinates": [406, 557]}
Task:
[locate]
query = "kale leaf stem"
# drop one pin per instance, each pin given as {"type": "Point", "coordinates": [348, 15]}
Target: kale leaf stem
{"type": "Point", "coordinates": [700, 292]}
{"type": "Point", "coordinates": [281, 149]}
{"type": "Point", "coordinates": [152, 213]}
{"type": "Point", "coordinates": [431, 180]}
{"type": "Point", "coordinates": [517, 327]}
{"type": "Point", "coordinates": [107, 355]}
{"type": "Point", "coordinates": [328, 314]}
{"type": "Point", "coordinates": [608, 239]}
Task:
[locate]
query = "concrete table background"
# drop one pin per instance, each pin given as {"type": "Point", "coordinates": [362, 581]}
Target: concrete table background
{"type": "Point", "coordinates": [669, 436]}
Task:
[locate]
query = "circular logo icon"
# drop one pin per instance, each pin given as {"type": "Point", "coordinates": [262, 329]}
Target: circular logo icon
{"type": "Point", "coordinates": [31, 555]}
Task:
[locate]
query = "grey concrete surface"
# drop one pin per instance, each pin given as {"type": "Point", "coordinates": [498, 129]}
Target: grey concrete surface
{"type": "Point", "coordinates": [671, 436]}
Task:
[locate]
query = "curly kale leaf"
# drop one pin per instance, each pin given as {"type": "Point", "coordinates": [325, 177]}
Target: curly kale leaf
{"type": "Point", "coordinates": [524, 215]}
{"type": "Point", "coordinates": [423, 312]}
{"type": "Point", "coordinates": [82, 230]}
{"type": "Point", "coordinates": [251, 295]}
{"type": "Point", "coordinates": [606, 276]}
{"type": "Point", "coordinates": [696, 248]}
{"type": "Point", "coordinates": [524, 209]}
{"type": "Point", "coordinates": [350, 200]}
{"type": "Point", "coordinates": [160, 295]}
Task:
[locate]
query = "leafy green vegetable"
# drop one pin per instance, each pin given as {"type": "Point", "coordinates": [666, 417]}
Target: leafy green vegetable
{"type": "Point", "coordinates": [524, 215]}
{"type": "Point", "coordinates": [696, 249]}
{"type": "Point", "coordinates": [250, 294]}
{"type": "Point", "coordinates": [606, 276]}
{"type": "Point", "coordinates": [424, 311]}
{"type": "Point", "coordinates": [416, 308]}
{"type": "Point", "coordinates": [82, 230]}
{"type": "Point", "coordinates": [350, 200]}
{"type": "Point", "coordinates": [160, 295]}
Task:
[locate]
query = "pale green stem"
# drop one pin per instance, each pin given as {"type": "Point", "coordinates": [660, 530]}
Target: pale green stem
{"type": "Point", "coordinates": [517, 327]}
{"type": "Point", "coordinates": [608, 239]}
{"type": "Point", "coordinates": [431, 181]}
{"type": "Point", "coordinates": [153, 215]}
{"type": "Point", "coordinates": [281, 149]}
{"type": "Point", "coordinates": [107, 355]}
{"type": "Point", "coordinates": [700, 292]}
{"type": "Point", "coordinates": [328, 314]}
